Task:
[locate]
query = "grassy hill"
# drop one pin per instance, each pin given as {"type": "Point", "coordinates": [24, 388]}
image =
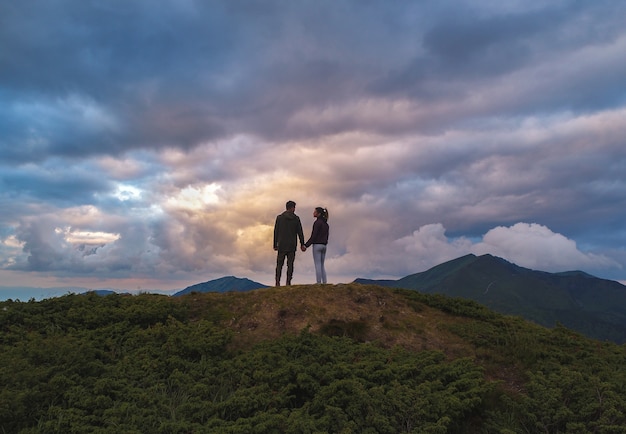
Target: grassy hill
{"type": "Point", "coordinates": [309, 358]}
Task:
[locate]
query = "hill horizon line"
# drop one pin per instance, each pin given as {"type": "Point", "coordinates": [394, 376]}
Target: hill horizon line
{"type": "Point", "coordinates": [40, 292]}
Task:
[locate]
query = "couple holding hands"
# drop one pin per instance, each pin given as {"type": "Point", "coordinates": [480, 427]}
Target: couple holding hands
{"type": "Point", "coordinates": [287, 231]}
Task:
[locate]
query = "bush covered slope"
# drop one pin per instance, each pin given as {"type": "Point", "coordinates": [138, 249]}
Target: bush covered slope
{"type": "Point", "coordinates": [303, 359]}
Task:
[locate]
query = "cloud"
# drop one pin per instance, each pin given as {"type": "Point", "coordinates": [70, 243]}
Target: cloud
{"type": "Point", "coordinates": [140, 141]}
{"type": "Point", "coordinates": [530, 245]}
{"type": "Point", "coordinates": [47, 246]}
{"type": "Point", "coordinates": [535, 246]}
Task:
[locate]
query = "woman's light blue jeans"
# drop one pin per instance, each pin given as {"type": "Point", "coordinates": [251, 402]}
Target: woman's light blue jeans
{"type": "Point", "coordinates": [319, 254]}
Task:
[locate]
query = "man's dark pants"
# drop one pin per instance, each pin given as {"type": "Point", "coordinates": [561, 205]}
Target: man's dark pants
{"type": "Point", "coordinates": [280, 260]}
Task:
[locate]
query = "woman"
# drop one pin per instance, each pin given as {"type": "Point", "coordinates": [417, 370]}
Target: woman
{"type": "Point", "coordinates": [319, 239]}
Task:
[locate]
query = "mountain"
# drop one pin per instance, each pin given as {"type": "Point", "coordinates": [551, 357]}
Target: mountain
{"type": "Point", "coordinates": [223, 284]}
{"type": "Point", "coordinates": [593, 306]}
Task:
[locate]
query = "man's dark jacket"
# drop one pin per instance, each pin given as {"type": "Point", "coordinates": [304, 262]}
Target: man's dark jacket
{"type": "Point", "coordinates": [287, 230]}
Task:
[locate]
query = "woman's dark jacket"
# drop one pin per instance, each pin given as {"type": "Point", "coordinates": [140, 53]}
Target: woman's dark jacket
{"type": "Point", "coordinates": [319, 235]}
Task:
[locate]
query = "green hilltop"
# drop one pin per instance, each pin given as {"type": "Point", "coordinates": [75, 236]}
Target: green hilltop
{"type": "Point", "coordinates": [349, 358]}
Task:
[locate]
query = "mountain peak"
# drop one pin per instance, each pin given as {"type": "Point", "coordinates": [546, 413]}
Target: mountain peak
{"type": "Point", "coordinates": [223, 284]}
{"type": "Point", "coordinates": [578, 300]}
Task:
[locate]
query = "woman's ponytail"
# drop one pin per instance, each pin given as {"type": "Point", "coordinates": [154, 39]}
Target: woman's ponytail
{"type": "Point", "coordinates": [322, 212]}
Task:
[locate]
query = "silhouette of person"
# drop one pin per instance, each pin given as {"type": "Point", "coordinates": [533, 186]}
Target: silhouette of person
{"type": "Point", "coordinates": [319, 240]}
{"type": "Point", "coordinates": [287, 231]}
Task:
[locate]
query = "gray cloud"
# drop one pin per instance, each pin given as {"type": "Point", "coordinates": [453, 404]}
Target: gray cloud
{"type": "Point", "coordinates": [159, 142]}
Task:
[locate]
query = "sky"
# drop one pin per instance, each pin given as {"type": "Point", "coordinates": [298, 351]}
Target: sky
{"type": "Point", "coordinates": [150, 145]}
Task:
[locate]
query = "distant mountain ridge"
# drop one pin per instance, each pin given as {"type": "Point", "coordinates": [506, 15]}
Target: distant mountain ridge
{"type": "Point", "coordinates": [577, 300]}
{"type": "Point", "coordinates": [223, 284]}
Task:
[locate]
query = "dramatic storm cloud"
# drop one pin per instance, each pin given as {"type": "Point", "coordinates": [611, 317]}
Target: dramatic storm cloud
{"type": "Point", "coordinates": [151, 144]}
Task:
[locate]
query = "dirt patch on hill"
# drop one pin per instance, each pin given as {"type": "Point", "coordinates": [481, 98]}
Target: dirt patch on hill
{"type": "Point", "coordinates": [366, 313]}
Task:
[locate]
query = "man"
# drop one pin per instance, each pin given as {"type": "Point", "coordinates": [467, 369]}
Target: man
{"type": "Point", "coordinates": [287, 231]}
